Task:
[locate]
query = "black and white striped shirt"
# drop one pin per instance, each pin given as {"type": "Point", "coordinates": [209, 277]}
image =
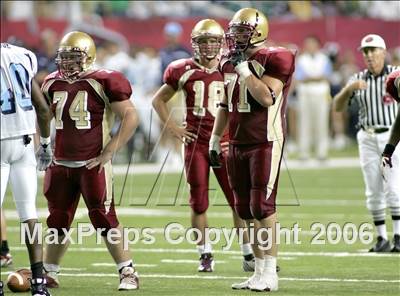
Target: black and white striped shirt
{"type": "Point", "coordinates": [377, 109]}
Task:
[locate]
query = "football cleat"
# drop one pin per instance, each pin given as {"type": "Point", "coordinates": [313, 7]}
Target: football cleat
{"type": "Point", "coordinates": [6, 260]}
{"type": "Point", "coordinates": [382, 245]}
{"type": "Point", "coordinates": [38, 287]}
{"type": "Point", "coordinates": [1, 288]}
{"type": "Point", "coordinates": [246, 284]}
{"type": "Point", "coordinates": [266, 282]}
{"type": "Point", "coordinates": [128, 279]}
{"type": "Point", "coordinates": [206, 263]}
{"type": "Point", "coordinates": [396, 243]}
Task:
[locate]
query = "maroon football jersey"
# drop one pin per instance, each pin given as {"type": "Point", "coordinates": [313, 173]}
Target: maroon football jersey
{"type": "Point", "coordinates": [82, 112]}
{"type": "Point", "coordinates": [391, 88]}
{"type": "Point", "coordinates": [249, 122]}
{"type": "Point", "coordinates": [202, 89]}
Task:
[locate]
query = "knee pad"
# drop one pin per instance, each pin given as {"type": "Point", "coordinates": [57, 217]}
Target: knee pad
{"type": "Point", "coordinates": [100, 219]}
{"type": "Point", "coordinates": [58, 220]}
{"type": "Point", "coordinates": [199, 199]}
{"type": "Point", "coordinates": [258, 205]}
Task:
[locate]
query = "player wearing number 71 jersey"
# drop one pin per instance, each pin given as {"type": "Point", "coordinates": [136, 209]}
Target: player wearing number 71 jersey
{"type": "Point", "coordinates": [84, 102]}
{"type": "Point", "coordinates": [203, 88]}
{"type": "Point", "coordinates": [257, 80]}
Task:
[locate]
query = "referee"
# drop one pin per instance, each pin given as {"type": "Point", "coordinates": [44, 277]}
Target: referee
{"type": "Point", "coordinates": [376, 115]}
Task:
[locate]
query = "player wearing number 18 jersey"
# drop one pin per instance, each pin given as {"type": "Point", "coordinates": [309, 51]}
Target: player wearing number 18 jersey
{"type": "Point", "coordinates": [84, 103]}
{"type": "Point", "coordinates": [203, 89]}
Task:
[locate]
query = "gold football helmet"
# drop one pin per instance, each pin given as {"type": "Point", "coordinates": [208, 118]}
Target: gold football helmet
{"type": "Point", "coordinates": [248, 28]}
{"type": "Point", "coordinates": [76, 53]}
{"type": "Point", "coordinates": [207, 36]}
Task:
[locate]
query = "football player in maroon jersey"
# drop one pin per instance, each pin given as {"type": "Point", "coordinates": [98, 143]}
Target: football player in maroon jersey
{"type": "Point", "coordinates": [84, 102]}
{"type": "Point", "coordinates": [257, 80]}
{"type": "Point", "coordinates": [203, 89]}
{"type": "Point", "coordinates": [392, 88]}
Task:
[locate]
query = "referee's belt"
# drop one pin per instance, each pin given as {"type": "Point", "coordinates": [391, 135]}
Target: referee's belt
{"type": "Point", "coordinates": [375, 130]}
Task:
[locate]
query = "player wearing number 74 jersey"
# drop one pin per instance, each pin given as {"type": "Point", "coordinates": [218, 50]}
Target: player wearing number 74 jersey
{"type": "Point", "coordinates": [203, 88]}
{"type": "Point", "coordinates": [84, 103]}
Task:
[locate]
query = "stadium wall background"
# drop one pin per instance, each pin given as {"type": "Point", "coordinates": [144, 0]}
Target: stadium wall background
{"type": "Point", "coordinates": [342, 30]}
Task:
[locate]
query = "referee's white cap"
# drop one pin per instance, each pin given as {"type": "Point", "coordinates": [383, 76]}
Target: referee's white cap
{"type": "Point", "coordinates": [372, 40]}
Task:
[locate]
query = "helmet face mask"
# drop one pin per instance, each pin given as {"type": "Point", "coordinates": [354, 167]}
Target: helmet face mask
{"type": "Point", "coordinates": [70, 63]}
{"type": "Point", "coordinates": [76, 54]}
{"type": "Point", "coordinates": [238, 37]}
{"type": "Point", "coordinates": [207, 47]}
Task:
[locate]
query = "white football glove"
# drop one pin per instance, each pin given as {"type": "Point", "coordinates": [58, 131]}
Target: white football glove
{"type": "Point", "coordinates": [243, 69]}
{"type": "Point", "coordinates": [215, 151]}
{"type": "Point", "coordinates": [44, 154]}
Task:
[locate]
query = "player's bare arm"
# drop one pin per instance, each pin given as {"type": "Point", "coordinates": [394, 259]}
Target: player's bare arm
{"type": "Point", "coordinates": [341, 100]}
{"type": "Point", "coordinates": [42, 110]}
{"type": "Point", "coordinates": [127, 113]}
{"type": "Point", "coordinates": [163, 95]}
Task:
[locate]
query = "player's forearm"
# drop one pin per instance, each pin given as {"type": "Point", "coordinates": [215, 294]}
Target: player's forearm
{"type": "Point", "coordinates": [162, 110]}
{"type": "Point", "coordinates": [341, 100]}
{"type": "Point", "coordinates": [395, 133]}
{"type": "Point", "coordinates": [129, 123]}
{"type": "Point", "coordinates": [221, 121]}
{"type": "Point", "coordinates": [43, 112]}
{"type": "Point", "coordinates": [44, 123]}
{"type": "Point", "coordinates": [259, 91]}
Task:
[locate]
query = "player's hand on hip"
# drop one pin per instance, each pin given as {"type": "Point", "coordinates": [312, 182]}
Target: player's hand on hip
{"type": "Point", "coordinates": [215, 151]}
{"type": "Point", "coordinates": [184, 135]}
{"type": "Point", "coordinates": [44, 157]}
{"type": "Point", "coordinates": [99, 161]}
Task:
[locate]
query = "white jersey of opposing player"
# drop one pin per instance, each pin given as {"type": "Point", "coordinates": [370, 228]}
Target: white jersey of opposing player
{"type": "Point", "coordinates": [18, 67]}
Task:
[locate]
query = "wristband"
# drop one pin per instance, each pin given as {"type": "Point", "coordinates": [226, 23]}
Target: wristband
{"type": "Point", "coordinates": [222, 105]}
{"type": "Point", "coordinates": [273, 95]}
{"type": "Point", "coordinates": [45, 141]}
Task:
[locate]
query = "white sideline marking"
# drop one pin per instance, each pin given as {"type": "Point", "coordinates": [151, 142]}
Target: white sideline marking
{"type": "Point", "coordinates": [279, 258]}
{"type": "Point", "coordinates": [183, 261]}
{"type": "Point", "coordinates": [217, 277]}
{"type": "Point", "coordinates": [81, 213]}
{"type": "Point", "coordinates": [113, 264]}
{"type": "Point", "coordinates": [291, 164]}
{"type": "Point", "coordinates": [288, 253]}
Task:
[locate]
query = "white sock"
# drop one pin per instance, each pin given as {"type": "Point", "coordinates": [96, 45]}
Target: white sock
{"type": "Point", "coordinates": [381, 229]}
{"type": "Point", "coordinates": [51, 267]}
{"type": "Point", "coordinates": [259, 265]}
{"type": "Point", "coordinates": [124, 264]}
{"type": "Point", "coordinates": [200, 249]}
{"type": "Point", "coordinates": [270, 264]}
{"type": "Point", "coordinates": [396, 227]}
{"type": "Point", "coordinates": [207, 248]}
{"type": "Point", "coordinates": [246, 249]}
